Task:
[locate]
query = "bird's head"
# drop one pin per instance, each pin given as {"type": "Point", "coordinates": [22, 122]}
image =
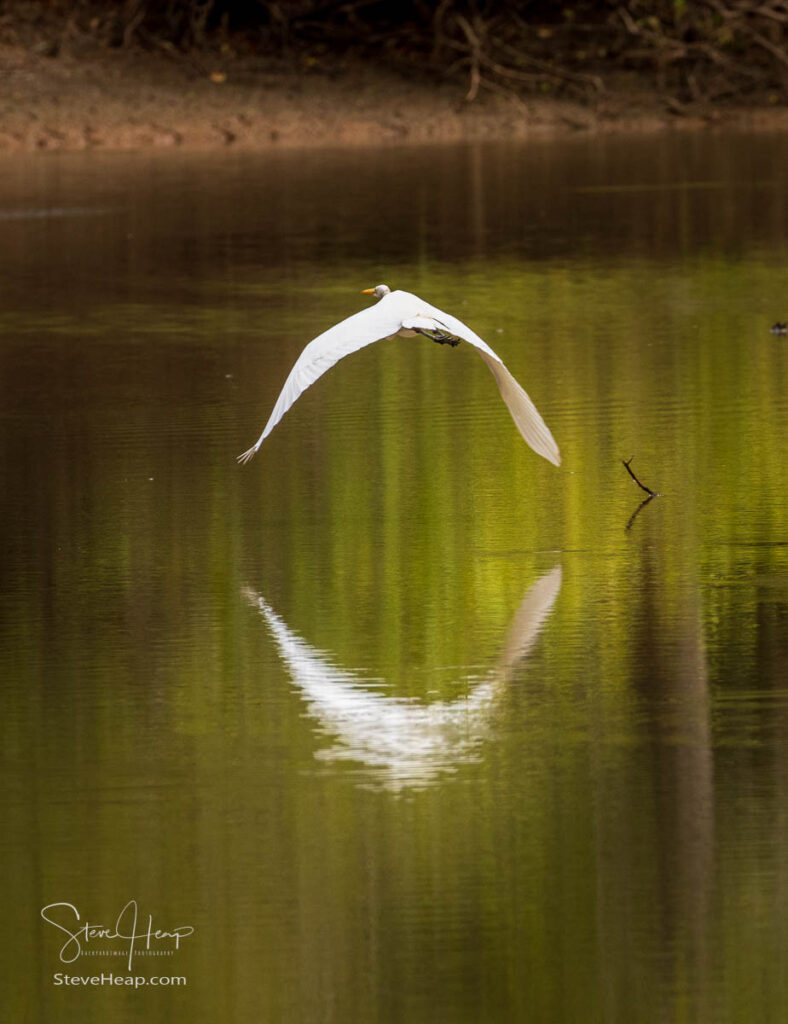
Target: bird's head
{"type": "Point", "coordinates": [378, 291]}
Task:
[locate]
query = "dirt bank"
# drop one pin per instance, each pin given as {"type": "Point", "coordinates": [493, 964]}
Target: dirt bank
{"type": "Point", "coordinates": [133, 100]}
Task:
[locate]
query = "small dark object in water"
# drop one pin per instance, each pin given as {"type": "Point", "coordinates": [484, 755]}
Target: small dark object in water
{"type": "Point", "coordinates": [779, 328]}
{"type": "Point", "coordinates": [627, 467]}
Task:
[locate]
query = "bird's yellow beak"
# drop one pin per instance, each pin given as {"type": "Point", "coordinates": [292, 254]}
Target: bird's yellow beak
{"type": "Point", "coordinates": [368, 291]}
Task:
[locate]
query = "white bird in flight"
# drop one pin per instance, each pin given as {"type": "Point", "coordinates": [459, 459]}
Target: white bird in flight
{"type": "Point", "coordinates": [406, 315]}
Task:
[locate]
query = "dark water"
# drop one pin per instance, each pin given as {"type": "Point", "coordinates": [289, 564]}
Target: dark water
{"type": "Point", "coordinates": [407, 724]}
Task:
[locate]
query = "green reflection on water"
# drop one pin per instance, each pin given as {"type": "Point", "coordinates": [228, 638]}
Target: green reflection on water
{"type": "Point", "coordinates": [611, 844]}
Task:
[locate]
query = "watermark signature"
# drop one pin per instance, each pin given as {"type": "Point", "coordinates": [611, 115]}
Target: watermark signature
{"type": "Point", "coordinates": [130, 935]}
{"type": "Point", "coordinates": [133, 980]}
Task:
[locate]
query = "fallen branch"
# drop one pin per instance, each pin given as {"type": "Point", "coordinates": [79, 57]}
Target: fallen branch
{"type": "Point", "coordinates": [777, 51]}
{"type": "Point", "coordinates": [649, 492]}
{"type": "Point", "coordinates": [475, 48]}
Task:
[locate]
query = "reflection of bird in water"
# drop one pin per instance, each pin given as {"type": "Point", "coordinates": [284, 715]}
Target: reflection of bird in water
{"type": "Point", "coordinates": [400, 313]}
{"type": "Point", "coordinates": [404, 742]}
{"type": "Point", "coordinates": [779, 328]}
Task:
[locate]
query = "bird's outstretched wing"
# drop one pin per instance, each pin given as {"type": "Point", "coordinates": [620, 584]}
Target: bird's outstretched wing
{"type": "Point", "coordinates": [363, 328]}
{"type": "Point", "coordinates": [532, 427]}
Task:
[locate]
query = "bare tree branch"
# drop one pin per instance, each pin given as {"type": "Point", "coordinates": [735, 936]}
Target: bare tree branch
{"type": "Point", "coordinates": [626, 464]}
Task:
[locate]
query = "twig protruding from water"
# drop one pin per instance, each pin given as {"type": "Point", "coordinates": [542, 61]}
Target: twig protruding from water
{"type": "Point", "coordinates": [626, 464]}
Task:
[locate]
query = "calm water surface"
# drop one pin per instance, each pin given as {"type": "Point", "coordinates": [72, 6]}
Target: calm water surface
{"type": "Point", "coordinates": [407, 724]}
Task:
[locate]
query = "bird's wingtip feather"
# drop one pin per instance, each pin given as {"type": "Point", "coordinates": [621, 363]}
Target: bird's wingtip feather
{"type": "Point", "coordinates": [552, 453]}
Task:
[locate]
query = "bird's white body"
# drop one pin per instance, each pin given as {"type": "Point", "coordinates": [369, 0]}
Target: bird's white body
{"type": "Point", "coordinates": [404, 314]}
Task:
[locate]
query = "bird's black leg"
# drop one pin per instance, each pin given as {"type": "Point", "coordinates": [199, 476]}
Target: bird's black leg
{"type": "Point", "coordinates": [441, 337]}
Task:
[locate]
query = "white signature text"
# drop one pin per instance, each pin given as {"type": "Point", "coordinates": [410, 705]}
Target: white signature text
{"type": "Point", "coordinates": [127, 928]}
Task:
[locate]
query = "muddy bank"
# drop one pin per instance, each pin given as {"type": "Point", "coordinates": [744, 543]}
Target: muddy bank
{"type": "Point", "coordinates": [134, 100]}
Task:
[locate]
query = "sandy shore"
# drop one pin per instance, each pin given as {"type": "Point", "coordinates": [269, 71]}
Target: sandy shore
{"type": "Point", "coordinates": [122, 100]}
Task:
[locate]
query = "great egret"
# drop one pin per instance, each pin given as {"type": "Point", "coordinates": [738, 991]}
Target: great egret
{"type": "Point", "coordinates": [406, 315]}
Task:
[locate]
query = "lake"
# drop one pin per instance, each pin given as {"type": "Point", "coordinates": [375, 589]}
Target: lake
{"type": "Point", "coordinates": [397, 723]}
